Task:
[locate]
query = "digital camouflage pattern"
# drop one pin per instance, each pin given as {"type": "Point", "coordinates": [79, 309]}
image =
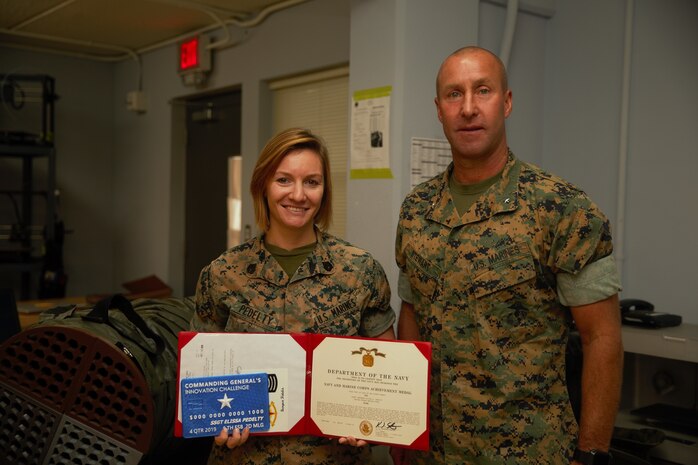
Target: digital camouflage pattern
{"type": "Point", "coordinates": [339, 289]}
{"type": "Point", "coordinates": [484, 294]}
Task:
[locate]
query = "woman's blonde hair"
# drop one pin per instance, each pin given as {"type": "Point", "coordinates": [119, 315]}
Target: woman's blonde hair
{"type": "Point", "coordinates": [269, 160]}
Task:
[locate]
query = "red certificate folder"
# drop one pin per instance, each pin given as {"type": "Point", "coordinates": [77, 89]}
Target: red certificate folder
{"type": "Point", "coordinates": [373, 389]}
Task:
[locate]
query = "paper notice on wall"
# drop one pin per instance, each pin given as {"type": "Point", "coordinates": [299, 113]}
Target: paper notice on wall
{"type": "Point", "coordinates": [429, 157]}
{"type": "Point", "coordinates": [370, 133]}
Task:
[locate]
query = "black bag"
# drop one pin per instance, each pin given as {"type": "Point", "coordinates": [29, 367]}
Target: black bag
{"type": "Point", "coordinates": [108, 373]}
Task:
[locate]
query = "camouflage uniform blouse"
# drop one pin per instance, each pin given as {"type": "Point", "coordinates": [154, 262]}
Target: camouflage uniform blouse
{"type": "Point", "coordinates": [338, 289]}
{"type": "Point", "coordinates": [484, 293]}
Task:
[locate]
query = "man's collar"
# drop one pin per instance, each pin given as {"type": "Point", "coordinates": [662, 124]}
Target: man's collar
{"type": "Point", "coordinates": [500, 197]}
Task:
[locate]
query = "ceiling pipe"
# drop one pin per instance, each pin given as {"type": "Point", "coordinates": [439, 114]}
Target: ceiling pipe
{"type": "Point", "coordinates": [244, 24]}
{"type": "Point", "coordinates": [264, 13]}
{"type": "Point", "coordinates": [619, 233]}
{"type": "Point", "coordinates": [261, 16]}
{"type": "Point", "coordinates": [135, 54]}
{"type": "Point", "coordinates": [508, 34]}
{"type": "Point", "coordinates": [32, 35]}
{"type": "Point", "coordinates": [213, 13]}
{"type": "Point", "coordinates": [127, 51]}
{"type": "Point", "coordinates": [192, 5]}
{"type": "Point", "coordinates": [42, 15]}
{"type": "Point", "coordinates": [224, 28]}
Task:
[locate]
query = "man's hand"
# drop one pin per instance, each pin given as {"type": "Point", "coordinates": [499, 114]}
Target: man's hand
{"type": "Point", "coordinates": [352, 441]}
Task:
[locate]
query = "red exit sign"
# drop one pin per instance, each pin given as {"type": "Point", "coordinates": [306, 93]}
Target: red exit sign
{"type": "Point", "coordinates": [189, 54]}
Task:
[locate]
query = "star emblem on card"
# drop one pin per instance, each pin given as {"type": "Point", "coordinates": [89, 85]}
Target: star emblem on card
{"type": "Point", "coordinates": [225, 401]}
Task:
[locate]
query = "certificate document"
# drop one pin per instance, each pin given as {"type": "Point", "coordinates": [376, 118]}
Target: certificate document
{"type": "Point", "coordinates": [372, 389]}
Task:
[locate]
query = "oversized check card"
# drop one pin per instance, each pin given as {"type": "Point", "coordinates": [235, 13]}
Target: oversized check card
{"type": "Point", "coordinates": [322, 385]}
{"type": "Point", "coordinates": [233, 401]}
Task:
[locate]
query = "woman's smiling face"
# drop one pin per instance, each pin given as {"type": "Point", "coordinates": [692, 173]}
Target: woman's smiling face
{"type": "Point", "coordinates": [294, 193]}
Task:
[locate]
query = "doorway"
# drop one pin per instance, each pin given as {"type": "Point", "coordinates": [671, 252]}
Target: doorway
{"type": "Point", "coordinates": [213, 126]}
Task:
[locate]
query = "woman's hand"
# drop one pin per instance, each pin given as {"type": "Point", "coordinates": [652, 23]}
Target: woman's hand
{"type": "Point", "coordinates": [232, 440]}
{"type": "Point", "coordinates": [352, 441]}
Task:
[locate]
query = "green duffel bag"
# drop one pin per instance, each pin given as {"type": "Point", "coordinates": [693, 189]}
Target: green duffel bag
{"type": "Point", "coordinates": [108, 373]}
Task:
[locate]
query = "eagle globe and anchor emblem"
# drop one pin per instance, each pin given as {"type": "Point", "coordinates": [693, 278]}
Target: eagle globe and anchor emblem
{"type": "Point", "coordinates": [367, 355]}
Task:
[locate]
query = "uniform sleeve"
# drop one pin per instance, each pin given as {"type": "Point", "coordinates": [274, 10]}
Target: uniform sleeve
{"type": "Point", "coordinates": [582, 236]}
{"type": "Point", "coordinates": [597, 281]}
{"type": "Point", "coordinates": [205, 318]}
{"type": "Point", "coordinates": [377, 315]}
{"type": "Point", "coordinates": [404, 290]}
{"type": "Point", "coordinates": [399, 249]}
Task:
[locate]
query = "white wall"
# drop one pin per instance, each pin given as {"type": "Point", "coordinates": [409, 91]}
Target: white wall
{"type": "Point", "coordinates": [660, 237]}
{"type": "Point", "coordinates": [584, 60]}
{"type": "Point", "coordinates": [566, 76]}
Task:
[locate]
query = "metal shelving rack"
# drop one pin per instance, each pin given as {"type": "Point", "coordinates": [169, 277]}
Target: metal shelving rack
{"type": "Point", "coordinates": [22, 242]}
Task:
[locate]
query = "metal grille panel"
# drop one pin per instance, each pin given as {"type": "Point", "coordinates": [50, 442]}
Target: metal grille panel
{"type": "Point", "coordinates": [86, 383]}
{"type": "Point", "coordinates": [26, 428]}
{"type": "Point", "coordinates": [43, 363]}
{"type": "Point", "coordinates": [114, 397]}
{"type": "Point", "coordinates": [77, 444]}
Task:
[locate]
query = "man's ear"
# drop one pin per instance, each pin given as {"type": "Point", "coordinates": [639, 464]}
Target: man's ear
{"type": "Point", "coordinates": [438, 109]}
{"type": "Point", "coordinates": [508, 103]}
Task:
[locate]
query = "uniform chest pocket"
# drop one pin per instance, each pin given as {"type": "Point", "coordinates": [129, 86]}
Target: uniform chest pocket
{"type": "Point", "coordinates": [505, 302]}
{"type": "Point", "coordinates": [422, 274]}
{"type": "Point", "coordinates": [508, 267]}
